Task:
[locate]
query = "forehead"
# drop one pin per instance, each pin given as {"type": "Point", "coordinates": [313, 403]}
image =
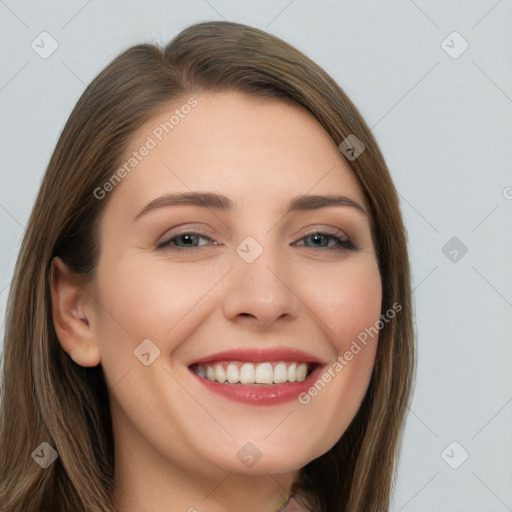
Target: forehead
{"type": "Point", "coordinates": [251, 149]}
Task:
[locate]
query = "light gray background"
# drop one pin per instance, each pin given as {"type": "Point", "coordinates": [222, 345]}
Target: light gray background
{"type": "Point", "coordinates": [444, 126]}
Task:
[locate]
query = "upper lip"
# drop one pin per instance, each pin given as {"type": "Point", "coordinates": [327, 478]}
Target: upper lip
{"type": "Point", "coordinates": [259, 355]}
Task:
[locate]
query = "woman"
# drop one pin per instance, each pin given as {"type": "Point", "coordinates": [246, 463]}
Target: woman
{"type": "Point", "coordinates": [211, 308]}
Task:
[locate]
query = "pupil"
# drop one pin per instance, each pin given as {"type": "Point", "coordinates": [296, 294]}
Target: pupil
{"type": "Point", "coordinates": [187, 239]}
{"type": "Point", "coordinates": [318, 238]}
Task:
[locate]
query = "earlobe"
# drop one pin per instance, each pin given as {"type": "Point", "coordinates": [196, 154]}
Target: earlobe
{"type": "Point", "coordinates": [85, 354]}
{"type": "Point", "coordinates": [72, 315]}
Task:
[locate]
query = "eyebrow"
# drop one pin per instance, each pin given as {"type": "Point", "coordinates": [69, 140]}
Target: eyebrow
{"type": "Point", "coordinates": [223, 203]}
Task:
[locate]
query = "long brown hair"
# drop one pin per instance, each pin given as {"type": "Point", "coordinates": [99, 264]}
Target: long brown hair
{"type": "Point", "coordinates": [47, 397]}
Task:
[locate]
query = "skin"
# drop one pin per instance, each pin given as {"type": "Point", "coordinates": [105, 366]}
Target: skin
{"type": "Point", "coordinates": [176, 442]}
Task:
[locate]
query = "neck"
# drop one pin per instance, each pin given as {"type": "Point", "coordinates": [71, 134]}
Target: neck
{"type": "Point", "coordinates": [185, 491]}
{"type": "Point", "coordinates": [148, 481]}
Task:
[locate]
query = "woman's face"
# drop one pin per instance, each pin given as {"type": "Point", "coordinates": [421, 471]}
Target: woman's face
{"type": "Point", "coordinates": [239, 286]}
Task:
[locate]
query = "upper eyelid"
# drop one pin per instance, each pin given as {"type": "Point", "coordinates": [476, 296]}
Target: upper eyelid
{"type": "Point", "coordinates": [205, 232]}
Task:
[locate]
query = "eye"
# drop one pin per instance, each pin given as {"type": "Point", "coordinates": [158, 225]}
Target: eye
{"type": "Point", "coordinates": [317, 240]}
{"type": "Point", "coordinates": [185, 241]}
{"type": "Point", "coordinates": [325, 240]}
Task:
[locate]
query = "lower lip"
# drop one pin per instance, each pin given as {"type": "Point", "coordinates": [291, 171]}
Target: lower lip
{"type": "Point", "coordinates": [270, 394]}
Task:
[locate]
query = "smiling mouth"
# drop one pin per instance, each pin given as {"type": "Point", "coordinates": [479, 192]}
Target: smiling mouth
{"type": "Point", "coordinates": [247, 373]}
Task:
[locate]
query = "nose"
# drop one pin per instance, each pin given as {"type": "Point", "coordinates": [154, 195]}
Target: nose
{"type": "Point", "coordinates": [261, 293]}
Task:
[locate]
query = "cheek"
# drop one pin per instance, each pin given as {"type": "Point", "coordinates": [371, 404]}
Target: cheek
{"type": "Point", "coordinates": [349, 307]}
{"type": "Point", "coordinates": [140, 300]}
{"type": "Point", "coordinates": [347, 301]}
{"type": "Point", "coordinates": [152, 301]}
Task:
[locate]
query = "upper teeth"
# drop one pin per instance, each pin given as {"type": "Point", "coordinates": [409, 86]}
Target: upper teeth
{"type": "Point", "coordinates": [250, 373]}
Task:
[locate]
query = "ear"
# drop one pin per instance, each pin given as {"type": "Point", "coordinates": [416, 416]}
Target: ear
{"type": "Point", "coordinates": [72, 315]}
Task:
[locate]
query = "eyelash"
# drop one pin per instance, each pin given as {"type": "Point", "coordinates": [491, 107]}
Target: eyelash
{"type": "Point", "coordinates": [342, 244]}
